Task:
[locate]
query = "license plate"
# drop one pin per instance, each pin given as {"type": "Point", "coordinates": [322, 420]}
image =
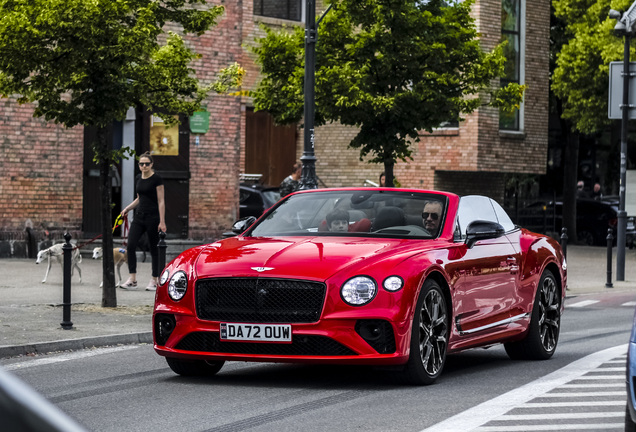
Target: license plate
{"type": "Point", "coordinates": [256, 332]}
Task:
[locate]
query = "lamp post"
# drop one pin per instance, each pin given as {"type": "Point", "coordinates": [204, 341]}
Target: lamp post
{"type": "Point", "coordinates": [624, 27]}
{"type": "Point", "coordinates": [308, 178]}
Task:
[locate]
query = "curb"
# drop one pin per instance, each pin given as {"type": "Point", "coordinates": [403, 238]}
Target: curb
{"type": "Point", "coordinates": [75, 344]}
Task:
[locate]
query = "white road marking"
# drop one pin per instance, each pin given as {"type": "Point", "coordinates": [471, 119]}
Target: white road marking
{"type": "Point", "coordinates": [582, 303]}
{"type": "Point", "coordinates": [489, 410]}
{"type": "Point", "coordinates": [66, 357]}
{"type": "Point", "coordinates": [562, 416]}
{"type": "Point", "coordinates": [559, 427]}
{"type": "Point", "coordinates": [593, 385]}
{"type": "Point", "coordinates": [611, 369]}
{"type": "Point", "coordinates": [584, 394]}
{"type": "Point", "coordinates": [602, 377]}
{"type": "Point", "coordinates": [572, 404]}
{"type": "Point", "coordinates": [631, 303]}
{"type": "Point", "coordinates": [617, 361]}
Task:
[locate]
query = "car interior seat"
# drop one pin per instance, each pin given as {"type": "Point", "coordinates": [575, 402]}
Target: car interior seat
{"type": "Point", "coordinates": [389, 217]}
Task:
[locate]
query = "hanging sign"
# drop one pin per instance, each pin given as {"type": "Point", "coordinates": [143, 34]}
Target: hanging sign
{"type": "Point", "coordinates": [200, 122]}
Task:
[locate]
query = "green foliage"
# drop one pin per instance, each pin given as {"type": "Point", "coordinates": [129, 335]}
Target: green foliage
{"type": "Point", "coordinates": [581, 75]}
{"type": "Point", "coordinates": [85, 62]}
{"type": "Point", "coordinates": [389, 67]}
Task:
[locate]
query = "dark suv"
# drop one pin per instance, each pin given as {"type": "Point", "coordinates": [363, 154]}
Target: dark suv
{"type": "Point", "coordinates": [593, 218]}
{"type": "Point", "coordinates": [254, 199]}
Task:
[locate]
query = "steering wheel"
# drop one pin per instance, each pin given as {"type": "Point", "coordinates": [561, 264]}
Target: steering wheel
{"type": "Point", "coordinates": [411, 230]}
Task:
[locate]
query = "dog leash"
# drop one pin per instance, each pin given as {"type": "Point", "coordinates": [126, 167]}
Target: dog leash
{"type": "Point", "coordinates": [119, 221]}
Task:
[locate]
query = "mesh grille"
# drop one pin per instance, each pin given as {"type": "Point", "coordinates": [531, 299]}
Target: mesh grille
{"type": "Point", "coordinates": [301, 346]}
{"type": "Point", "coordinates": [259, 300]}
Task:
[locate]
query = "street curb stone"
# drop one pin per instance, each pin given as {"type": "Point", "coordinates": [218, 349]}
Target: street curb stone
{"type": "Point", "coordinates": [74, 344]}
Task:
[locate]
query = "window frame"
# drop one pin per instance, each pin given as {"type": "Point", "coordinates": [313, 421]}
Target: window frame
{"type": "Point", "coordinates": [520, 62]}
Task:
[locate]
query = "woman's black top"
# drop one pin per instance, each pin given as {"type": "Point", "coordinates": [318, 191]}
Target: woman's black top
{"type": "Point", "coordinates": [147, 191]}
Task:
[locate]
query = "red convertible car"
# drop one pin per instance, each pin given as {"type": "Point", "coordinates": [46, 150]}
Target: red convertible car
{"type": "Point", "coordinates": [372, 276]}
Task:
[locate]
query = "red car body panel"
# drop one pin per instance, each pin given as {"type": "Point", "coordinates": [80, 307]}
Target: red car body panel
{"type": "Point", "coordinates": [491, 282]}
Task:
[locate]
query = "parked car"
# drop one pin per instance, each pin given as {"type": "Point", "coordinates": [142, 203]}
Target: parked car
{"type": "Point", "coordinates": [630, 412]}
{"type": "Point", "coordinates": [593, 218]}
{"type": "Point", "coordinates": [254, 199]}
{"type": "Point", "coordinates": [399, 284]}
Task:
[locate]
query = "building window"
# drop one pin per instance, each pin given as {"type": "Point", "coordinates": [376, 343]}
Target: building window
{"type": "Point", "coordinates": [511, 31]}
{"type": "Point", "coordinates": [283, 9]}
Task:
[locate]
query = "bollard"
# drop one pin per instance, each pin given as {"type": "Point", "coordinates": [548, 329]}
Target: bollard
{"type": "Point", "coordinates": [545, 219]}
{"type": "Point", "coordinates": [610, 243]}
{"type": "Point", "coordinates": [162, 251]}
{"type": "Point", "coordinates": [564, 242]}
{"type": "Point", "coordinates": [66, 303]}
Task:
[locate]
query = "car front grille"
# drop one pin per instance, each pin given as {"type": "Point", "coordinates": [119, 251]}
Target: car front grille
{"type": "Point", "coordinates": [302, 345]}
{"type": "Point", "coordinates": [259, 300]}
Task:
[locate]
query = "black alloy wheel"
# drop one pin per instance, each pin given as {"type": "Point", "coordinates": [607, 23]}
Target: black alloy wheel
{"type": "Point", "coordinates": [429, 337]}
{"type": "Point", "coordinates": [545, 324]}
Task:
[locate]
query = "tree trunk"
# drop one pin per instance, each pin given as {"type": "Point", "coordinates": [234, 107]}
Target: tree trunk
{"type": "Point", "coordinates": [570, 174]}
{"type": "Point", "coordinates": [109, 295]}
{"type": "Point", "coordinates": [388, 172]}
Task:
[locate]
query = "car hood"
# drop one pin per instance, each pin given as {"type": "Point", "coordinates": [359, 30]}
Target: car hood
{"type": "Point", "coordinates": [316, 258]}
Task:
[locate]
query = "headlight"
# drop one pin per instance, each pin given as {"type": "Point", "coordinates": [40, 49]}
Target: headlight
{"type": "Point", "coordinates": [164, 277]}
{"type": "Point", "coordinates": [393, 283]}
{"type": "Point", "coordinates": [178, 285]}
{"type": "Point", "coordinates": [358, 290]}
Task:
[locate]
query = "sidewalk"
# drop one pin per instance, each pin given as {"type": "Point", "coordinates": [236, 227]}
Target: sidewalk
{"type": "Point", "coordinates": [31, 312]}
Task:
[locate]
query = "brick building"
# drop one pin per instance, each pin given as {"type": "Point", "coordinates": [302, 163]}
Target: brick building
{"type": "Point", "coordinates": [42, 185]}
{"type": "Point", "coordinates": [471, 157]}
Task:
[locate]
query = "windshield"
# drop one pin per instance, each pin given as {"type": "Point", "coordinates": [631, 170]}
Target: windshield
{"type": "Point", "coordinates": [356, 213]}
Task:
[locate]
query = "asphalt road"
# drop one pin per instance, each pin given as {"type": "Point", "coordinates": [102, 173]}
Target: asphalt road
{"type": "Point", "coordinates": [130, 388]}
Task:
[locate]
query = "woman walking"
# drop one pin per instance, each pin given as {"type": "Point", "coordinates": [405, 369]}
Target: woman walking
{"type": "Point", "coordinates": [149, 217]}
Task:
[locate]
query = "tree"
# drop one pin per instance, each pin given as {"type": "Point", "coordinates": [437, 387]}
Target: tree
{"type": "Point", "coordinates": [86, 62]}
{"type": "Point", "coordinates": [585, 44]}
{"type": "Point", "coordinates": [389, 67]}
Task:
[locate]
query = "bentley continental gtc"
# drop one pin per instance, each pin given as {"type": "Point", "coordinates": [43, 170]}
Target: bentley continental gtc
{"type": "Point", "coordinates": [371, 276]}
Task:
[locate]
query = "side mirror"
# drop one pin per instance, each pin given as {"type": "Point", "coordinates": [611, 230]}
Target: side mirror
{"type": "Point", "coordinates": [241, 225]}
{"type": "Point", "coordinates": [482, 230]}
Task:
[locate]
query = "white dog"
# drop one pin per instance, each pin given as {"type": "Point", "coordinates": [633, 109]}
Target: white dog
{"type": "Point", "coordinates": [57, 252]}
{"type": "Point", "coordinates": [118, 256]}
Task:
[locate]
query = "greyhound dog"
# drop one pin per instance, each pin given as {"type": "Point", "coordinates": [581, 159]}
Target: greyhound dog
{"type": "Point", "coordinates": [57, 252]}
{"type": "Point", "coordinates": [118, 256]}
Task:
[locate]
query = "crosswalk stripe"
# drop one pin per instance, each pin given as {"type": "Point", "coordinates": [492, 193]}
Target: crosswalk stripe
{"type": "Point", "coordinates": [557, 427]}
{"type": "Point", "coordinates": [481, 414]}
{"type": "Point", "coordinates": [631, 303]}
{"type": "Point", "coordinates": [602, 377]}
{"type": "Point", "coordinates": [560, 416]}
{"type": "Point", "coordinates": [583, 394]}
{"type": "Point", "coordinates": [582, 303]}
{"type": "Point", "coordinates": [604, 385]}
{"type": "Point", "coordinates": [617, 361]}
{"type": "Point", "coordinates": [572, 404]}
{"type": "Point", "coordinates": [610, 369]}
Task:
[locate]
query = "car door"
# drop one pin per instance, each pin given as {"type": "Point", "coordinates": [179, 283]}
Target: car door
{"type": "Point", "coordinates": [486, 288]}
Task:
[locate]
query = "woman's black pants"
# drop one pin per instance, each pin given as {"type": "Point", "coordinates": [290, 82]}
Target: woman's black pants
{"type": "Point", "coordinates": [149, 223]}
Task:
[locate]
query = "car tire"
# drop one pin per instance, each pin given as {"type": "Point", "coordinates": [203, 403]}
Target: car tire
{"type": "Point", "coordinates": [194, 367]}
{"type": "Point", "coordinates": [630, 426]}
{"type": "Point", "coordinates": [586, 237]}
{"type": "Point", "coordinates": [430, 321]}
{"type": "Point", "coordinates": [545, 324]}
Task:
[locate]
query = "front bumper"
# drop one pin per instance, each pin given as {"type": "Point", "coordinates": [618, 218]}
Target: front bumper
{"type": "Point", "coordinates": [334, 341]}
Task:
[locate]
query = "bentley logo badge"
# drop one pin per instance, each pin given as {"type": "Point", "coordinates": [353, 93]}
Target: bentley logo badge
{"type": "Point", "coordinates": [262, 269]}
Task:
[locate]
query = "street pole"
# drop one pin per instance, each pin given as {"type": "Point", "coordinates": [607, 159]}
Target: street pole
{"type": "Point", "coordinates": [622, 214]}
{"type": "Point", "coordinates": [308, 179]}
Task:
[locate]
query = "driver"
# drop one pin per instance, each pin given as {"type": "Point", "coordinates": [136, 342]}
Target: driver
{"type": "Point", "coordinates": [338, 221]}
{"type": "Point", "coordinates": [432, 216]}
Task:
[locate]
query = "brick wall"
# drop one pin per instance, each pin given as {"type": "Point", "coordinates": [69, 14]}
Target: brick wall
{"type": "Point", "coordinates": [40, 181]}
{"type": "Point", "coordinates": [490, 184]}
{"type": "Point", "coordinates": [477, 145]}
{"type": "Point", "coordinates": [214, 163]}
